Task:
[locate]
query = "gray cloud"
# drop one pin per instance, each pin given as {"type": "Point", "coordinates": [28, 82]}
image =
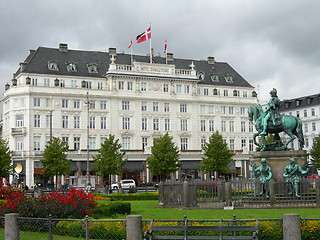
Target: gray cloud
{"type": "Point", "coordinates": [270, 43]}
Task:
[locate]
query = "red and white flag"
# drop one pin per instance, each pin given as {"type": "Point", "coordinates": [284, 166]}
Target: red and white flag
{"type": "Point", "coordinates": [165, 47]}
{"type": "Point", "coordinates": [130, 44]}
{"type": "Point", "coordinates": [144, 36]}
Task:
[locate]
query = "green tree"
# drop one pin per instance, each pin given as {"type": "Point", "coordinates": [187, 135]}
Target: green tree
{"type": "Point", "coordinates": [109, 160]}
{"type": "Point", "coordinates": [217, 155]}
{"type": "Point", "coordinates": [54, 158]}
{"type": "Point", "coordinates": [164, 157]}
{"type": "Point", "coordinates": [5, 159]}
{"type": "Point", "coordinates": [315, 151]}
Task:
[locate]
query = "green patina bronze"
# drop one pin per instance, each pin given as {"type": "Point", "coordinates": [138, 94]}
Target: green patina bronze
{"type": "Point", "coordinates": [264, 173]}
{"type": "Point", "coordinates": [292, 174]}
{"type": "Point", "coordinates": [270, 121]}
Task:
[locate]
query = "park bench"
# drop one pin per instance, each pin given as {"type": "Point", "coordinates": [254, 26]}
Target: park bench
{"type": "Point", "coordinates": [234, 227]}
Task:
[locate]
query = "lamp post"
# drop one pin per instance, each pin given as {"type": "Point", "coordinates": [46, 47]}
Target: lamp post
{"type": "Point", "coordinates": [83, 85]}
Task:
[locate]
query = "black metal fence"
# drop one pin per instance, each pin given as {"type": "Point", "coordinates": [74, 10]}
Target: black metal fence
{"type": "Point", "coordinates": [248, 193]}
{"type": "Point", "coordinates": [76, 229]}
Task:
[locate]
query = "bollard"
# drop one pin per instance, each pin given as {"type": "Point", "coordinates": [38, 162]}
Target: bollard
{"type": "Point", "coordinates": [291, 227]}
{"type": "Point", "coordinates": [228, 193]}
{"type": "Point", "coordinates": [272, 192]}
{"type": "Point", "coordinates": [11, 229]}
{"type": "Point", "coordinates": [185, 197]}
{"type": "Point", "coordinates": [161, 193]}
{"type": "Point", "coordinates": [134, 227]}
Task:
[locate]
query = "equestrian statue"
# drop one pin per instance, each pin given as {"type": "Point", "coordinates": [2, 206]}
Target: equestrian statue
{"type": "Point", "coordinates": [270, 121]}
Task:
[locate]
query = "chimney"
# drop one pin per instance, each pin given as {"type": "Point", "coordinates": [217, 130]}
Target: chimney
{"type": "Point", "coordinates": [211, 60]}
{"type": "Point", "coordinates": [170, 57]}
{"type": "Point", "coordinates": [23, 66]}
{"type": "Point", "coordinates": [113, 51]}
{"type": "Point", "coordinates": [63, 47]}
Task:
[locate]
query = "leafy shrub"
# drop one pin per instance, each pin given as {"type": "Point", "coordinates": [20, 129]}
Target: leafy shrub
{"type": "Point", "coordinates": [75, 204]}
{"type": "Point", "coordinates": [111, 209]}
{"type": "Point", "coordinates": [9, 192]}
{"type": "Point", "coordinates": [134, 196]}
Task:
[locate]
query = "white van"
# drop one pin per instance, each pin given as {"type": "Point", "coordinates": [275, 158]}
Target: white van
{"type": "Point", "coordinates": [125, 184]}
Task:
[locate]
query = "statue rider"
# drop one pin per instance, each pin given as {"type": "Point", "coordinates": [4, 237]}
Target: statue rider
{"type": "Point", "coordinates": [272, 111]}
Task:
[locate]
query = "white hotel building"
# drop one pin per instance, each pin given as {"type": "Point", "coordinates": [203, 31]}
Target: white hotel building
{"type": "Point", "coordinates": [135, 101]}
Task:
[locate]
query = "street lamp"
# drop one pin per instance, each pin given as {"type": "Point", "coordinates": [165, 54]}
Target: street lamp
{"type": "Point", "coordinates": [83, 85]}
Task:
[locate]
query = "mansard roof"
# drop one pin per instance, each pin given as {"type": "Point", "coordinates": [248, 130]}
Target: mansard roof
{"type": "Point", "coordinates": [37, 63]}
{"type": "Point", "coordinates": [300, 102]}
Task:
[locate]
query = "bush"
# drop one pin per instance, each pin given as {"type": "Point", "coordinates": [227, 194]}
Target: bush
{"type": "Point", "coordinates": [76, 204]}
{"type": "Point", "coordinates": [110, 209]}
{"type": "Point", "coordinates": [134, 196]}
{"type": "Point", "coordinates": [9, 192]}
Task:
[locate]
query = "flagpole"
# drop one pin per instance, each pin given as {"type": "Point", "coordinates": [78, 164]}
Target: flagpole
{"type": "Point", "coordinates": [150, 51]}
{"type": "Point", "coordinates": [131, 55]}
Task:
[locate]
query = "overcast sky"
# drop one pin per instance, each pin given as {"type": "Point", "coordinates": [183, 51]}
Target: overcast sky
{"type": "Point", "coordinates": [271, 43]}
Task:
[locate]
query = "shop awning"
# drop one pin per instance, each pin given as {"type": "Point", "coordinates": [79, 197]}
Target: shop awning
{"type": "Point", "coordinates": [189, 165]}
{"type": "Point", "coordinates": [134, 166]}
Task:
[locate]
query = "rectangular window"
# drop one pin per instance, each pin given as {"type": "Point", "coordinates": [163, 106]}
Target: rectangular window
{"type": "Point", "coordinates": [251, 145]}
{"type": "Point", "coordinates": [46, 82]}
{"type": "Point", "coordinates": [92, 143]}
{"type": "Point", "coordinates": [125, 105]}
{"type": "Point", "coordinates": [19, 144]}
{"type": "Point", "coordinates": [19, 121]}
{"type": "Point", "coordinates": [183, 124]}
{"type": "Point", "coordinates": [76, 143]}
{"type": "Point", "coordinates": [37, 120]}
{"type": "Point", "coordinates": [103, 105]}
{"type": "Point", "coordinates": [36, 143]}
{"type": "Point", "coordinates": [126, 123]}
{"type": "Point", "coordinates": [231, 144]}
{"type": "Point", "coordinates": [143, 106]}
{"type": "Point", "coordinates": [62, 83]}
{"type": "Point", "coordinates": [103, 122]}
{"type": "Point", "coordinates": [206, 91]}
{"type": "Point", "coordinates": [202, 125]}
{"type": "Point", "coordinates": [211, 125]}
{"type": "Point", "coordinates": [92, 104]}
{"type": "Point", "coordinates": [184, 143]}
{"type": "Point", "coordinates": [34, 82]}
{"type": "Point", "coordinates": [297, 113]}
{"type": "Point", "coordinates": [305, 113]}
{"type": "Point", "coordinates": [225, 93]}
{"type": "Point", "coordinates": [102, 140]}
{"type": "Point", "coordinates": [129, 86]}
{"type": "Point", "coordinates": [178, 88]}
{"type": "Point", "coordinates": [76, 103]}
{"type": "Point", "coordinates": [143, 86]}
{"type": "Point", "coordinates": [231, 126]}
{"type": "Point", "coordinates": [126, 143]}
{"type": "Point", "coordinates": [186, 88]}
{"type": "Point", "coordinates": [306, 127]}
{"type": "Point", "coordinates": [64, 103]}
{"type": "Point", "coordinates": [314, 128]}
{"type": "Point", "coordinates": [76, 122]}
{"type": "Point", "coordinates": [121, 85]}
{"type": "Point", "coordinates": [230, 110]}
{"type": "Point", "coordinates": [66, 140]}
{"type": "Point", "coordinates": [183, 107]}
{"type": "Point", "coordinates": [144, 142]}
{"type": "Point", "coordinates": [223, 126]}
{"type": "Point", "coordinates": [155, 107]}
{"type": "Point", "coordinates": [100, 85]}
{"type": "Point", "coordinates": [92, 122]}
{"type": "Point", "coordinates": [165, 87]}
{"type": "Point", "coordinates": [88, 84]}
{"type": "Point", "coordinates": [223, 110]}
{"type": "Point", "coordinates": [243, 126]}
{"type": "Point", "coordinates": [167, 124]}
{"type": "Point", "coordinates": [156, 124]}
{"type": "Point", "coordinates": [244, 94]}
{"type": "Point", "coordinates": [48, 102]}
{"type": "Point", "coordinates": [313, 112]}
{"type": "Point", "coordinates": [65, 122]}
{"type": "Point", "coordinates": [73, 83]}
{"type": "Point", "coordinates": [144, 124]}
{"type": "Point", "coordinates": [202, 109]}
{"type": "Point", "coordinates": [243, 143]}
{"type": "Point", "coordinates": [166, 107]}
{"type": "Point", "coordinates": [36, 102]}
{"type": "Point", "coordinates": [202, 142]}
{"type": "Point", "coordinates": [211, 109]}
{"type": "Point", "coordinates": [250, 126]}
{"type": "Point", "coordinates": [242, 110]}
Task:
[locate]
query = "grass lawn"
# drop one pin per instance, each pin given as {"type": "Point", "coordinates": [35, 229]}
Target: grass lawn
{"type": "Point", "coordinates": [38, 236]}
{"type": "Point", "coordinates": [148, 209]}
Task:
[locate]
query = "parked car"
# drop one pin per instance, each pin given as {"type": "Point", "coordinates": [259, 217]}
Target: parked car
{"type": "Point", "coordinates": [124, 183]}
{"type": "Point", "coordinates": [313, 175]}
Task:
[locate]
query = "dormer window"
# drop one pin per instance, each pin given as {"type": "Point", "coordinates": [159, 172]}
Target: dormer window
{"type": "Point", "coordinates": [297, 103]}
{"type": "Point", "coordinates": [287, 104]}
{"type": "Point", "coordinates": [309, 100]}
{"type": "Point", "coordinates": [53, 65]}
{"type": "Point", "coordinates": [200, 75]}
{"type": "Point", "coordinates": [214, 77]}
{"type": "Point", "coordinates": [92, 68]}
{"type": "Point", "coordinates": [71, 67]}
{"type": "Point", "coordinates": [229, 78]}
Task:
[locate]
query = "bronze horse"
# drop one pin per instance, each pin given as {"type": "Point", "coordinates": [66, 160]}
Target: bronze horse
{"type": "Point", "coordinates": [291, 125]}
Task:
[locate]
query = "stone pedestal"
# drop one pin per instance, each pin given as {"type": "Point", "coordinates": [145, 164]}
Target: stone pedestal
{"type": "Point", "coordinates": [277, 160]}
